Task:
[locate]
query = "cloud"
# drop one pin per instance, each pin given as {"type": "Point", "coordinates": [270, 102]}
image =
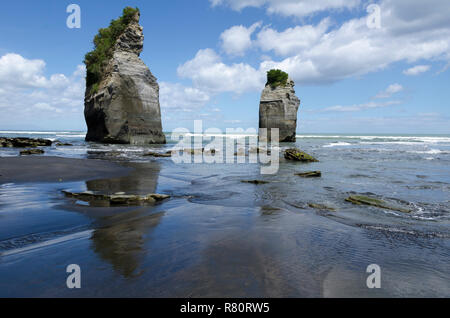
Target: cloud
{"type": "Point", "coordinates": [210, 74]}
{"type": "Point", "coordinates": [322, 53]}
{"type": "Point", "coordinates": [360, 107]}
{"type": "Point", "coordinates": [416, 70]}
{"type": "Point", "coordinates": [292, 40]}
{"type": "Point", "coordinates": [18, 72]}
{"type": "Point", "coordinates": [174, 96]}
{"type": "Point", "coordinates": [28, 95]}
{"type": "Point", "coordinates": [237, 39]}
{"type": "Point", "coordinates": [298, 8]}
{"type": "Point", "coordinates": [391, 90]}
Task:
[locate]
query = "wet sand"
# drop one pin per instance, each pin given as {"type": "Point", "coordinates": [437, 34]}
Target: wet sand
{"type": "Point", "coordinates": [217, 236]}
{"type": "Point", "coordinates": [55, 169]}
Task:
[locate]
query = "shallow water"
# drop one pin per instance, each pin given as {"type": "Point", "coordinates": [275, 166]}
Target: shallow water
{"type": "Point", "coordinates": [218, 236]}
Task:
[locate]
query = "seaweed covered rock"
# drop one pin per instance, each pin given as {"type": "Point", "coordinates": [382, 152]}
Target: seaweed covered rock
{"type": "Point", "coordinates": [24, 142]}
{"type": "Point", "coordinates": [278, 107]}
{"type": "Point", "coordinates": [30, 152]}
{"type": "Point", "coordinates": [365, 200]}
{"type": "Point", "coordinates": [298, 155]}
{"type": "Point", "coordinates": [122, 95]}
{"type": "Point", "coordinates": [310, 174]}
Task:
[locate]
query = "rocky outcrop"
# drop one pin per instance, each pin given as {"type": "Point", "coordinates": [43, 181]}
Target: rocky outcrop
{"type": "Point", "coordinates": [118, 199]}
{"type": "Point", "coordinates": [364, 200]}
{"type": "Point", "coordinates": [123, 107]}
{"type": "Point", "coordinates": [30, 152]}
{"type": "Point", "coordinates": [295, 154]}
{"type": "Point", "coordinates": [24, 142]}
{"type": "Point", "coordinates": [278, 109]}
{"type": "Point", "coordinates": [310, 174]}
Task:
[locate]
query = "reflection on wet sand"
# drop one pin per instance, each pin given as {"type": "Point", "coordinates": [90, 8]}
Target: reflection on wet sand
{"type": "Point", "coordinates": [122, 242]}
{"type": "Point", "coordinates": [119, 238]}
{"type": "Point", "coordinates": [142, 180]}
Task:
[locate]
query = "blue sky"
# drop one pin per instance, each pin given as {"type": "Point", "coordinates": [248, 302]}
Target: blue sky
{"type": "Point", "coordinates": [210, 58]}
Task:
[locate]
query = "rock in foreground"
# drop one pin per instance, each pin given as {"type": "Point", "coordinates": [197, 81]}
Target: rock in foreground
{"type": "Point", "coordinates": [118, 199]}
{"type": "Point", "coordinates": [24, 142]}
{"type": "Point", "coordinates": [298, 155]}
{"type": "Point", "coordinates": [255, 181]}
{"type": "Point", "coordinates": [30, 152]}
{"type": "Point", "coordinates": [310, 174]}
{"type": "Point", "coordinates": [363, 200]}
{"type": "Point", "coordinates": [122, 98]}
{"type": "Point", "coordinates": [158, 154]}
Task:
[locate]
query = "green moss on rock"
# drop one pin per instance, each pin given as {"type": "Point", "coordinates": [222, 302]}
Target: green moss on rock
{"type": "Point", "coordinates": [364, 200]}
{"type": "Point", "coordinates": [277, 78]}
{"type": "Point", "coordinates": [103, 47]}
{"type": "Point", "coordinates": [298, 155]}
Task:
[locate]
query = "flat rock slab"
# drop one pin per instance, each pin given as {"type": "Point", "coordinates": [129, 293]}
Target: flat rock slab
{"type": "Point", "coordinates": [255, 181]}
{"type": "Point", "coordinates": [30, 152]}
{"type": "Point", "coordinates": [310, 174]}
{"type": "Point", "coordinates": [118, 199]}
{"type": "Point", "coordinates": [321, 207]}
{"type": "Point", "coordinates": [54, 169]}
{"type": "Point", "coordinates": [364, 200]}
{"type": "Point", "coordinates": [158, 155]}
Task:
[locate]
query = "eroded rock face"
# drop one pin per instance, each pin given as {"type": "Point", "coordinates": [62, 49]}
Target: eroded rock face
{"type": "Point", "coordinates": [278, 109]}
{"type": "Point", "coordinates": [125, 109]}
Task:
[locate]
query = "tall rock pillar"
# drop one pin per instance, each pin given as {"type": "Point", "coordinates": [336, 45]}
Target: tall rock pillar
{"type": "Point", "coordinates": [123, 105]}
{"type": "Point", "coordinates": [278, 109]}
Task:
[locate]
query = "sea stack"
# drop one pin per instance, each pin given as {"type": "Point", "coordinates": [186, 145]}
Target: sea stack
{"type": "Point", "coordinates": [278, 107]}
{"type": "Point", "coordinates": [122, 95]}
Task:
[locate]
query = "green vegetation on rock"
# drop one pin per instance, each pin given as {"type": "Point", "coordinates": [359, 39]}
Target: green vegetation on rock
{"type": "Point", "coordinates": [277, 78]}
{"type": "Point", "coordinates": [103, 47]}
{"type": "Point", "coordinates": [298, 155]}
{"type": "Point", "coordinates": [309, 174]}
{"type": "Point", "coordinates": [364, 200]}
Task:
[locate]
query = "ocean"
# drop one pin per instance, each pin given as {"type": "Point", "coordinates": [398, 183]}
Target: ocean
{"type": "Point", "coordinates": [220, 237]}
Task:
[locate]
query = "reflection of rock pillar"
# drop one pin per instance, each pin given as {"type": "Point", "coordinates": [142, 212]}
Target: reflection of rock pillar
{"type": "Point", "coordinates": [142, 180]}
{"type": "Point", "coordinates": [122, 242]}
{"type": "Point", "coordinates": [120, 237]}
{"type": "Point", "coordinates": [278, 109]}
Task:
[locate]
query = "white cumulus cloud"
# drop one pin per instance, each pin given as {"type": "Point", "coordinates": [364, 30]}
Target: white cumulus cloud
{"type": "Point", "coordinates": [28, 95]}
{"type": "Point", "coordinates": [298, 8]}
{"type": "Point", "coordinates": [416, 70]}
{"type": "Point", "coordinates": [237, 39]}
{"type": "Point", "coordinates": [209, 73]}
{"type": "Point", "coordinates": [174, 96]}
